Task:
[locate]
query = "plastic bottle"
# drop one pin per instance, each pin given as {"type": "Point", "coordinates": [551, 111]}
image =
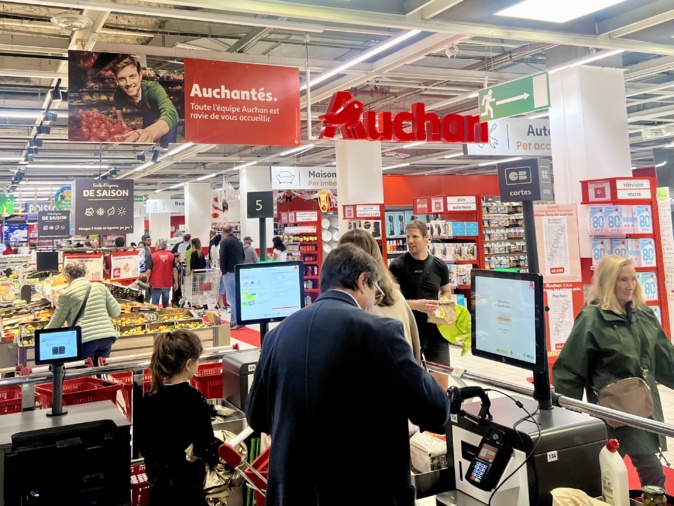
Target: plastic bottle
{"type": "Point", "coordinates": [614, 484]}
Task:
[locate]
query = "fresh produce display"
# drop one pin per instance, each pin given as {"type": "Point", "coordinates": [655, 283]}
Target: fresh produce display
{"type": "Point", "coordinates": [124, 292]}
{"type": "Point", "coordinates": [129, 320]}
{"type": "Point", "coordinates": [133, 331]}
{"type": "Point", "coordinates": [95, 126]}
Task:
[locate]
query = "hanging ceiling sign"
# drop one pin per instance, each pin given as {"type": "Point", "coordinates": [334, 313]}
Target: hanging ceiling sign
{"type": "Point", "coordinates": [53, 224]}
{"type": "Point", "coordinates": [241, 103]}
{"type": "Point", "coordinates": [515, 137]}
{"type": "Point", "coordinates": [346, 114]}
{"type": "Point", "coordinates": [103, 206]}
{"type": "Point", "coordinates": [303, 178]}
{"type": "Point", "coordinates": [153, 206]}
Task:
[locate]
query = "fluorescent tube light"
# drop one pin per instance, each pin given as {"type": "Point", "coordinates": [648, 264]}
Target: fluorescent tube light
{"type": "Point", "coordinates": [453, 155]}
{"type": "Point", "coordinates": [11, 158]}
{"type": "Point", "coordinates": [177, 150]}
{"type": "Point", "coordinates": [207, 176]}
{"type": "Point", "coordinates": [56, 184]}
{"type": "Point", "coordinates": [244, 165]}
{"type": "Point", "coordinates": [413, 144]}
{"type": "Point", "coordinates": [504, 160]}
{"type": "Point", "coordinates": [21, 114]}
{"type": "Point", "coordinates": [586, 59]}
{"type": "Point", "coordinates": [362, 57]}
{"type": "Point", "coordinates": [473, 95]}
{"type": "Point", "coordinates": [538, 116]}
{"type": "Point", "coordinates": [175, 186]}
{"type": "Point", "coordinates": [555, 11]}
{"type": "Point", "coordinates": [396, 166]}
{"type": "Point", "coordinates": [65, 166]}
{"type": "Point", "coordinates": [296, 150]}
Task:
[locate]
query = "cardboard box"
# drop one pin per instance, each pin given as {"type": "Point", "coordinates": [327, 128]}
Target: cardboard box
{"type": "Point", "coordinates": [643, 220]}
{"type": "Point", "coordinates": [428, 452]}
{"type": "Point", "coordinates": [600, 248]}
{"type": "Point", "coordinates": [646, 253]}
{"type": "Point", "coordinates": [649, 285]}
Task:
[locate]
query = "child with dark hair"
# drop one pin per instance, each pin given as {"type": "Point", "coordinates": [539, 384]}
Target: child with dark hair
{"type": "Point", "coordinates": [174, 415]}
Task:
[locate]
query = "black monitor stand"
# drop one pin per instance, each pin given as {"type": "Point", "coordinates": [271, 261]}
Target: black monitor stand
{"type": "Point", "coordinates": [58, 371]}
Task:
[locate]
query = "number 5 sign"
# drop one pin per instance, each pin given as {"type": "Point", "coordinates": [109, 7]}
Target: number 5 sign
{"type": "Point", "coordinates": [260, 204]}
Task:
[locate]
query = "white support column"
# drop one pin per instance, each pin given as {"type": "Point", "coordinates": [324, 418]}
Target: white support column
{"type": "Point", "coordinates": [139, 215]}
{"type": "Point", "coordinates": [359, 175]}
{"type": "Point", "coordinates": [198, 211]}
{"type": "Point", "coordinates": [254, 179]}
{"type": "Point", "coordinates": [160, 226]}
{"type": "Point", "coordinates": [590, 140]}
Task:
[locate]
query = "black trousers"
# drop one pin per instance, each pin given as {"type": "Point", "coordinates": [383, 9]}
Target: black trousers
{"type": "Point", "coordinates": [649, 469]}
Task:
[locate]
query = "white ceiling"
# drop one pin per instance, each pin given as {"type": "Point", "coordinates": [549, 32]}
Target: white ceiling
{"type": "Point", "coordinates": [327, 33]}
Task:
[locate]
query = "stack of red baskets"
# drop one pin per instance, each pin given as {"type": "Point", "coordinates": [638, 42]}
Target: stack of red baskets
{"type": "Point", "coordinates": [208, 380]}
{"type": "Point", "coordinates": [10, 399]}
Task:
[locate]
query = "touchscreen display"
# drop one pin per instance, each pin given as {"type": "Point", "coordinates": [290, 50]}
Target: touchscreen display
{"type": "Point", "coordinates": [55, 346]}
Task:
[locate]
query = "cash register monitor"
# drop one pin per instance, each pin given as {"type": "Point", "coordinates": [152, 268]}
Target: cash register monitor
{"type": "Point", "coordinates": [57, 346]}
{"type": "Point", "coordinates": [508, 321]}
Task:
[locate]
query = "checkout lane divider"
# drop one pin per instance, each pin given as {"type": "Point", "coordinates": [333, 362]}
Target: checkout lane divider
{"type": "Point", "coordinates": [558, 400]}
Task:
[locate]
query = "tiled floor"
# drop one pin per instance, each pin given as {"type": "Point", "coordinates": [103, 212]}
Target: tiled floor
{"type": "Point", "coordinates": [519, 376]}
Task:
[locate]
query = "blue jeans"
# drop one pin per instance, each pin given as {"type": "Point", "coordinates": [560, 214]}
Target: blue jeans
{"type": "Point", "coordinates": [230, 290]}
{"type": "Point", "coordinates": [162, 293]}
{"type": "Point", "coordinates": [97, 348]}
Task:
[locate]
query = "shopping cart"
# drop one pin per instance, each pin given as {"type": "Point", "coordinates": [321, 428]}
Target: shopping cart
{"type": "Point", "coordinates": [255, 474]}
{"type": "Point", "coordinates": [200, 288]}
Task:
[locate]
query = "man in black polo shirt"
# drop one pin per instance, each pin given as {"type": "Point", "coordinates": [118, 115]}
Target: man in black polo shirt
{"type": "Point", "coordinates": [423, 279]}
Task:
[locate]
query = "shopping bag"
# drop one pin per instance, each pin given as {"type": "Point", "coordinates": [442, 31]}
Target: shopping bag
{"type": "Point", "coordinates": [573, 497]}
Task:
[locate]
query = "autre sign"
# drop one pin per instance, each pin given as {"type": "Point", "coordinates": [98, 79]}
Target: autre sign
{"type": "Point", "coordinates": [347, 114]}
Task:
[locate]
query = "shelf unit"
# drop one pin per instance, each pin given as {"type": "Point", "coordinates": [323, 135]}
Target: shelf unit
{"type": "Point", "coordinates": [504, 242]}
{"type": "Point", "coordinates": [368, 217]}
{"type": "Point", "coordinates": [302, 237]}
{"type": "Point", "coordinates": [618, 209]}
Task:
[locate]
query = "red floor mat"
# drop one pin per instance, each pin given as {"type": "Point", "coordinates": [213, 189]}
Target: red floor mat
{"type": "Point", "coordinates": [633, 478]}
{"type": "Point", "coordinates": [247, 335]}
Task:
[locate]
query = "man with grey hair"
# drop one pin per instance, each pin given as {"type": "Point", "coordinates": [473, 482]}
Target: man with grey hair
{"type": "Point", "coordinates": [163, 275]}
{"type": "Point", "coordinates": [231, 254]}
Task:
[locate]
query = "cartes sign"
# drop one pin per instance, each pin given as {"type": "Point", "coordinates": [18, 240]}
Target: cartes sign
{"type": "Point", "coordinates": [525, 180]}
{"type": "Point", "coordinates": [103, 206]}
{"type": "Point", "coordinates": [53, 224]}
{"type": "Point", "coordinates": [241, 103]}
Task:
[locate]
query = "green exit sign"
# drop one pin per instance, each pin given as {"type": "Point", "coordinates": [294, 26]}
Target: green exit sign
{"type": "Point", "coordinates": [516, 97]}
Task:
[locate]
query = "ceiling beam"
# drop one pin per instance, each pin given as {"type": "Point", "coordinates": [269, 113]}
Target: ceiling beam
{"type": "Point", "coordinates": [322, 14]}
{"type": "Point", "coordinates": [640, 18]}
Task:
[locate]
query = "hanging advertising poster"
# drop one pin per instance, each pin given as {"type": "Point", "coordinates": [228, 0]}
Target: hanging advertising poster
{"type": "Point", "coordinates": [63, 198]}
{"type": "Point", "coordinates": [557, 238]}
{"type": "Point", "coordinates": [124, 265]}
{"type": "Point", "coordinates": [53, 224]}
{"type": "Point", "coordinates": [113, 98]}
{"type": "Point", "coordinates": [103, 206]}
{"type": "Point", "coordinates": [93, 263]}
{"type": "Point", "coordinates": [241, 103]}
{"type": "Point", "coordinates": [564, 300]}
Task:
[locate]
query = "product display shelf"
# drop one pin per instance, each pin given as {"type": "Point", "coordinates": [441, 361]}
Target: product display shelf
{"type": "Point", "coordinates": [396, 219]}
{"type": "Point", "coordinates": [371, 219]}
{"type": "Point", "coordinates": [504, 243]}
{"type": "Point", "coordinates": [630, 227]}
{"type": "Point", "coordinates": [304, 242]}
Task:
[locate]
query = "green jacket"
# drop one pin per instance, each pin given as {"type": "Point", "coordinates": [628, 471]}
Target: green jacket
{"type": "Point", "coordinates": [95, 321]}
{"type": "Point", "coordinates": [153, 98]}
{"type": "Point", "coordinates": [604, 347]}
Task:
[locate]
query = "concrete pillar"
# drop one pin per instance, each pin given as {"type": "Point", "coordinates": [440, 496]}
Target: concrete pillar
{"type": "Point", "coordinates": [588, 123]}
{"type": "Point", "coordinates": [359, 176]}
{"type": "Point", "coordinates": [160, 226]}
{"type": "Point", "coordinates": [254, 179]}
{"type": "Point", "coordinates": [198, 211]}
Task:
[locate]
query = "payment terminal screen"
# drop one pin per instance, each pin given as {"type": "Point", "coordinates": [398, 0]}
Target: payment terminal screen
{"type": "Point", "coordinates": [58, 345]}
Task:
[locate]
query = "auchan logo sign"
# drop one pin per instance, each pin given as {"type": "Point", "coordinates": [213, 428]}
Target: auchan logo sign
{"type": "Point", "coordinates": [347, 114]}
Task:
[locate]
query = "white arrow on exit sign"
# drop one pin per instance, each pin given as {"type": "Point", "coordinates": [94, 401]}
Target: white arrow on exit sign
{"type": "Point", "coordinates": [523, 96]}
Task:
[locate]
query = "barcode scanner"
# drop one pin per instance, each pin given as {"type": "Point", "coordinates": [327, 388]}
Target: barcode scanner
{"type": "Point", "coordinates": [458, 395]}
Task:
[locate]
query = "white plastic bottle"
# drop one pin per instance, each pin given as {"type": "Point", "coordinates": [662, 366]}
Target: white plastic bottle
{"type": "Point", "coordinates": [614, 484]}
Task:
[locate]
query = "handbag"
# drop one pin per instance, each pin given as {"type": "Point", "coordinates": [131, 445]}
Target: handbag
{"type": "Point", "coordinates": [84, 304]}
{"type": "Point", "coordinates": [630, 395]}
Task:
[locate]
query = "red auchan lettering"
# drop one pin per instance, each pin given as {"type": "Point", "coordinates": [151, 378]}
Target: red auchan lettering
{"type": "Point", "coordinates": [347, 114]}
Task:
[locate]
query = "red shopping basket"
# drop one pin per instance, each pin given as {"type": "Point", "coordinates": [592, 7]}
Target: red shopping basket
{"type": "Point", "coordinates": [79, 391]}
{"type": "Point", "coordinates": [140, 488]}
{"type": "Point", "coordinates": [125, 379]}
{"type": "Point", "coordinates": [10, 399]}
{"type": "Point", "coordinates": [208, 380]}
{"type": "Point", "coordinates": [261, 465]}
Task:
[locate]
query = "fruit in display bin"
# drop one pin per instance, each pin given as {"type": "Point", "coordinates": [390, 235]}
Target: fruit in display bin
{"type": "Point", "coordinates": [190, 325]}
{"type": "Point", "coordinates": [133, 331]}
{"type": "Point", "coordinates": [135, 320]}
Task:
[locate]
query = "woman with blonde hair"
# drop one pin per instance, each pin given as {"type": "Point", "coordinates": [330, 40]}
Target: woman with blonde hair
{"type": "Point", "coordinates": [617, 336]}
{"type": "Point", "coordinates": [390, 302]}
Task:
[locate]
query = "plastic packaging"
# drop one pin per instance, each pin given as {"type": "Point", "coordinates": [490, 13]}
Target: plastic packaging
{"type": "Point", "coordinates": [614, 484]}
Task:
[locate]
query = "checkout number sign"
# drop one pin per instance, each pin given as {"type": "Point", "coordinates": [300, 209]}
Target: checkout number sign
{"type": "Point", "coordinates": [260, 204]}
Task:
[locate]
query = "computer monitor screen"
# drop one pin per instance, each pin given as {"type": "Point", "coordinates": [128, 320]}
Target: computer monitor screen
{"type": "Point", "coordinates": [15, 233]}
{"type": "Point", "coordinates": [268, 292]}
{"type": "Point", "coordinates": [58, 345]}
{"type": "Point", "coordinates": [509, 318]}
{"type": "Point", "coordinates": [47, 261]}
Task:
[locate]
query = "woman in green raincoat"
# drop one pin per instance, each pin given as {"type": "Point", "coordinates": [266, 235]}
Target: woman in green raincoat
{"type": "Point", "coordinates": [605, 346]}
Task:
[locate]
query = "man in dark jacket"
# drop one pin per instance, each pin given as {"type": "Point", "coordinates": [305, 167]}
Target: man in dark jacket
{"type": "Point", "coordinates": [231, 254]}
{"type": "Point", "coordinates": [332, 365]}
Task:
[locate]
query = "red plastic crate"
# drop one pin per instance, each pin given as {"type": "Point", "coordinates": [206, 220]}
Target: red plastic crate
{"type": "Point", "coordinates": [10, 399]}
{"type": "Point", "coordinates": [79, 391]}
{"type": "Point", "coordinates": [208, 380]}
{"type": "Point", "coordinates": [140, 488]}
{"type": "Point", "coordinates": [126, 380]}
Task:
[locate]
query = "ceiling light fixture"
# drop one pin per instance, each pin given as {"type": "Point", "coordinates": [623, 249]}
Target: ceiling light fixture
{"type": "Point", "coordinates": [11, 158]}
{"type": "Point", "coordinates": [21, 114]}
{"type": "Point", "coordinates": [413, 144]}
{"type": "Point", "coordinates": [207, 176]}
{"type": "Point", "coordinates": [175, 186]}
{"type": "Point", "coordinates": [396, 166]}
{"type": "Point", "coordinates": [453, 155]}
{"type": "Point", "coordinates": [71, 21]}
{"type": "Point", "coordinates": [538, 116]}
{"type": "Point", "coordinates": [504, 160]}
{"type": "Point", "coordinates": [586, 59]}
{"type": "Point", "coordinates": [244, 165]}
{"type": "Point", "coordinates": [296, 150]}
{"type": "Point", "coordinates": [141, 167]}
{"type": "Point", "coordinates": [362, 57]}
{"type": "Point", "coordinates": [555, 12]}
{"type": "Point", "coordinates": [66, 166]}
{"type": "Point", "coordinates": [178, 149]}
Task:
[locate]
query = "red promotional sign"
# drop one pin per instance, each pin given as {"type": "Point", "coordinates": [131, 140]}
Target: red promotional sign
{"type": "Point", "coordinates": [241, 103]}
{"type": "Point", "coordinates": [421, 206]}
